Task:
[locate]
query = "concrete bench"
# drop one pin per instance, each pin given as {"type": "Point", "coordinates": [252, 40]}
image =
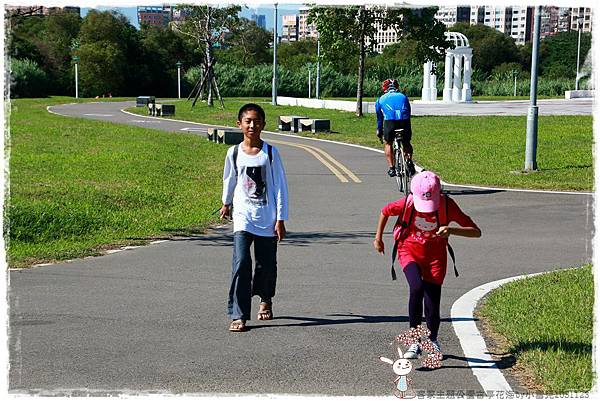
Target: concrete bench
{"type": "Point", "coordinates": [314, 125]}
{"type": "Point", "coordinates": [167, 110]}
{"type": "Point", "coordinates": [290, 123]}
{"type": "Point", "coordinates": [142, 101]}
{"type": "Point", "coordinates": [229, 136]}
{"type": "Point", "coordinates": [211, 134]}
{"type": "Point", "coordinates": [158, 109]}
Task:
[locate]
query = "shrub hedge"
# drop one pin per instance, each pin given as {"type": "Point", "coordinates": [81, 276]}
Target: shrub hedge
{"type": "Point", "coordinates": [238, 81]}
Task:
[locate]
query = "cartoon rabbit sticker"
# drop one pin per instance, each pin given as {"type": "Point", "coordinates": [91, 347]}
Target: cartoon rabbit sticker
{"type": "Point", "coordinates": [401, 367]}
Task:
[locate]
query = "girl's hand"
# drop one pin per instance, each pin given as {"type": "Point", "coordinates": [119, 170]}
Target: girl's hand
{"type": "Point", "coordinates": [443, 231]}
{"type": "Point", "coordinates": [379, 246]}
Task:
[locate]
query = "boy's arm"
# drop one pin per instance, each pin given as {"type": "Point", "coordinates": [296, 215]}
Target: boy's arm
{"type": "Point", "coordinates": [378, 242]}
{"type": "Point", "coordinates": [281, 196]}
{"type": "Point", "coordinates": [281, 188]}
{"type": "Point", "coordinates": [229, 183]}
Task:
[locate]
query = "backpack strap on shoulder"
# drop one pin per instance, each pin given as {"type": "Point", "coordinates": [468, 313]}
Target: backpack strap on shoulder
{"type": "Point", "coordinates": [235, 155]}
{"type": "Point", "coordinates": [450, 250]}
{"type": "Point", "coordinates": [403, 226]}
{"type": "Point", "coordinates": [270, 152]}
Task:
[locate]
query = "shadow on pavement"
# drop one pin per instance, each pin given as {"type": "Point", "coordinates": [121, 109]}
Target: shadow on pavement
{"type": "Point", "coordinates": [292, 238]}
{"type": "Point", "coordinates": [459, 192]}
{"type": "Point", "coordinates": [503, 363]}
{"type": "Point", "coordinates": [349, 319]}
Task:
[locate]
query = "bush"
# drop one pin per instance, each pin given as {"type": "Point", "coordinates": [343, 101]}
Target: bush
{"type": "Point", "coordinates": [238, 81]}
{"type": "Point", "coordinates": [27, 79]}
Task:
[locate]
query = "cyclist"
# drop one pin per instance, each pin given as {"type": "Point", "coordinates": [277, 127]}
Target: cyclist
{"type": "Point", "coordinates": [393, 112]}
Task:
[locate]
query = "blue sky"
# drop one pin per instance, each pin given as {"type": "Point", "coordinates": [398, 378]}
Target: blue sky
{"type": "Point", "coordinates": [267, 10]}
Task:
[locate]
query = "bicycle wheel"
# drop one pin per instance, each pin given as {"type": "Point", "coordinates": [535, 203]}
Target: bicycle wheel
{"type": "Point", "coordinates": [404, 176]}
{"type": "Point", "coordinates": [398, 163]}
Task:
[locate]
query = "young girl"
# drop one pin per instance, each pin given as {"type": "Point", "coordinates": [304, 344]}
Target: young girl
{"type": "Point", "coordinates": [422, 233]}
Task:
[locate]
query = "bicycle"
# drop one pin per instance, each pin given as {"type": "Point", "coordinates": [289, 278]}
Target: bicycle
{"type": "Point", "coordinates": [402, 176]}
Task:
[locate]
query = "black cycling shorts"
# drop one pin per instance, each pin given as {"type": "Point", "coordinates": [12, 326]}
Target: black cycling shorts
{"type": "Point", "coordinates": [390, 125]}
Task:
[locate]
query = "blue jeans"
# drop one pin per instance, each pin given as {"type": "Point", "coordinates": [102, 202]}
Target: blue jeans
{"type": "Point", "coordinates": [243, 284]}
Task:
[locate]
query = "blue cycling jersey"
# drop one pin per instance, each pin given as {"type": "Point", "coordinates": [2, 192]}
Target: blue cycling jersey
{"type": "Point", "coordinates": [392, 106]}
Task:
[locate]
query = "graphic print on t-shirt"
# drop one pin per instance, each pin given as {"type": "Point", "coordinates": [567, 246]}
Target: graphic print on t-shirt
{"type": "Point", "coordinates": [425, 227]}
{"type": "Point", "coordinates": [254, 184]}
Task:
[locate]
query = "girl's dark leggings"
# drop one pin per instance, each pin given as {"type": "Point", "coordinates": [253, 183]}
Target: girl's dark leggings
{"type": "Point", "coordinates": [423, 292]}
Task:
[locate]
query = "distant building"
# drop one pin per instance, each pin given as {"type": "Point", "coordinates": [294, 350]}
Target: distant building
{"type": "Point", "coordinates": [296, 27]}
{"type": "Point", "coordinates": [452, 15]}
{"type": "Point", "coordinates": [305, 30]}
{"type": "Point", "coordinates": [384, 37]}
{"type": "Point", "coordinates": [521, 24]}
{"type": "Point", "coordinates": [289, 28]}
{"type": "Point", "coordinates": [554, 20]}
{"type": "Point", "coordinates": [155, 15]}
{"type": "Point", "coordinates": [581, 15]}
{"type": "Point", "coordinates": [260, 20]}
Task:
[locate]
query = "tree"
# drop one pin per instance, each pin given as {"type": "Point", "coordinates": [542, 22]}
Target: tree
{"type": "Point", "coordinates": [109, 54]}
{"type": "Point", "coordinates": [46, 41]}
{"type": "Point", "coordinates": [296, 55]}
{"type": "Point", "coordinates": [354, 28]}
{"type": "Point", "coordinates": [490, 47]}
{"type": "Point", "coordinates": [27, 38]}
{"type": "Point", "coordinates": [560, 51]}
{"type": "Point", "coordinates": [207, 27]}
{"type": "Point", "coordinates": [161, 49]}
{"type": "Point", "coordinates": [249, 44]}
{"type": "Point", "coordinates": [339, 27]}
{"type": "Point", "coordinates": [62, 28]}
{"type": "Point", "coordinates": [27, 79]}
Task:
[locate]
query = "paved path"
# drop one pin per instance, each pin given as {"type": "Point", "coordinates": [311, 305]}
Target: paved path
{"type": "Point", "coordinates": [504, 108]}
{"type": "Point", "coordinates": [153, 318]}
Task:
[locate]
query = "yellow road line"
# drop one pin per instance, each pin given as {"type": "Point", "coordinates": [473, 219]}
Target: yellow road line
{"type": "Point", "coordinates": [337, 163]}
{"type": "Point", "coordinates": [335, 171]}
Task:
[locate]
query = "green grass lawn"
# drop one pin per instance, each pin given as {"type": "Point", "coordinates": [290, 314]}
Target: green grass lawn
{"type": "Point", "coordinates": [483, 150]}
{"type": "Point", "coordinates": [78, 186]}
{"type": "Point", "coordinates": [547, 322]}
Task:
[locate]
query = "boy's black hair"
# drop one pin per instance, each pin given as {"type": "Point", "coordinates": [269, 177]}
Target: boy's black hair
{"type": "Point", "coordinates": [251, 106]}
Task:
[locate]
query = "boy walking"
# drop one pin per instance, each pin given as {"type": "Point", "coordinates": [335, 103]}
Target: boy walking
{"type": "Point", "coordinates": [255, 186]}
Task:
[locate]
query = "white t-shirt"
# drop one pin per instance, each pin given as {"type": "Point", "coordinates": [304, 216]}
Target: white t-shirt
{"type": "Point", "coordinates": [258, 193]}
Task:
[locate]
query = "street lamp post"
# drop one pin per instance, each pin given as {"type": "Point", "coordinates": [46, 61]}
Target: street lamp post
{"type": "Point", "coordinates": [532, 113]}
{"type": "Point", "coordinates": [274, 89]}
{"type": "Point", "coordinates": [309, 79]}
{"type": "Point", "coordinates": [178, 79]}
{"type": "Point", "coordinates": [318, 86]}
{"type": "Point", "coordinates": [76, 60]}
{"type": "Point", "coordinates": [579, 26]}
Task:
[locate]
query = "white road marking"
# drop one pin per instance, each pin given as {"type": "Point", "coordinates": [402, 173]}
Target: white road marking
{"type": "Point", "coordinates": [193, 129]}
{"type": "Point", "coordinates": [98, 115]}
{"type": "Point", "coordinates": [476, 353]}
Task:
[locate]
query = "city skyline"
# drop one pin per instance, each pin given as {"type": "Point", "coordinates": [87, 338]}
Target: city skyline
{"type": "Point", "coordinates": [267, 10]}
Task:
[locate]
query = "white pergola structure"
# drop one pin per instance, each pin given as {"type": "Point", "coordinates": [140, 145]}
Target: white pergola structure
{"type": "Point", "coordinates": [457, 73]}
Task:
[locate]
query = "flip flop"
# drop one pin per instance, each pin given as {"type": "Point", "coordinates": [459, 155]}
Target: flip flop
{"type": "Point", "coordinates": [265, 311]}
{"type": "Point", "coordinates": [237, 326]}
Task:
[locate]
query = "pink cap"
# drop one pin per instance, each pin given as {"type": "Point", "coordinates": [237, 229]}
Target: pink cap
{"type": "Point", "coordinates": [425, 188]}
